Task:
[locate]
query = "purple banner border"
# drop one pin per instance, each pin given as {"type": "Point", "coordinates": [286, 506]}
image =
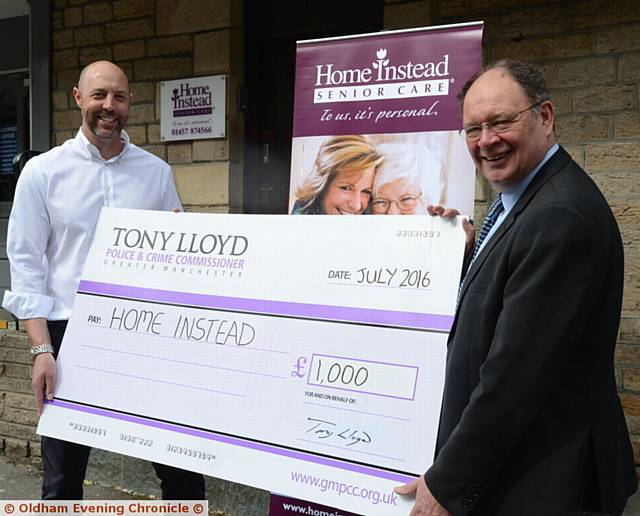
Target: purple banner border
{"type": "Point", "coordinates": [415, 320]}
{"type": "Point", "coordinates": [237, 441]}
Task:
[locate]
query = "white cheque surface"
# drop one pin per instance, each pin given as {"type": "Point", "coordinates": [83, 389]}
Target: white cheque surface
{"type": "Point", "coordinates": [302, 355]}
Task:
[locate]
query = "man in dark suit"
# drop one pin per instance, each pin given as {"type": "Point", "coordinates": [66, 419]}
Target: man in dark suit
{"type": "Point", "coordinates": [531, 423]}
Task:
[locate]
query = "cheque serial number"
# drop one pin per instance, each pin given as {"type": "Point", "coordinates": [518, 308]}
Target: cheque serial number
{"type": "Point", "coordinates": [417, 233]}
{"type": "Point", "coordinates": [190, 452]}
{"type": "Point", "coordinates": [87, 429]}
{"type": "Point", "coordinates": [135, 439]}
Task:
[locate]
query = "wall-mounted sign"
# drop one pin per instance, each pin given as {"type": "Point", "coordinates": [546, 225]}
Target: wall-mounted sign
{"type": "Point", "coordinates": [193, 108]}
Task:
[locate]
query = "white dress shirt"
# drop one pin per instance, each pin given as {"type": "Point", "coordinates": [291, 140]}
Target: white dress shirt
{"type": "Point", "coordinates": [57, 202]}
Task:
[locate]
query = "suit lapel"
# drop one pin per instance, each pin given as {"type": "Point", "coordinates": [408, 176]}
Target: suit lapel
{"type": "Point", "coordinates": [558, 161]}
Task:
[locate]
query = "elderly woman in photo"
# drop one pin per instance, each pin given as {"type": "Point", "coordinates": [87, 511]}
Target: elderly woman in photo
{"type": "Point", "coordinates": [397, 187]}
{"type": "Point", "coordinates": [342, 178]}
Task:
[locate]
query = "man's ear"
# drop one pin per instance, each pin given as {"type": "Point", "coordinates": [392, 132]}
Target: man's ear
{"type": "Point", "coordinates": [77, 96]}
{"type": "Point", "coordinates": [547, 113]}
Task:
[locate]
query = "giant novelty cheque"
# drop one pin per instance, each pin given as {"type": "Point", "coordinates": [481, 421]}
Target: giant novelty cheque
{"type": "Point", "coordinates": [311, 348]}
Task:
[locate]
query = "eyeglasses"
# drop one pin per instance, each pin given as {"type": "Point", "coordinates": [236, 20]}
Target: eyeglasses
{"type": "Point", "coordinates": [499, 125]}
{"type": "Point", "coordinates": [405, 203]}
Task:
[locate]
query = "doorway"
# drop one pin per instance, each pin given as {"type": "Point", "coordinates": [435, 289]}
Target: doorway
{"type": "Point", "coordinates": [272, 29]}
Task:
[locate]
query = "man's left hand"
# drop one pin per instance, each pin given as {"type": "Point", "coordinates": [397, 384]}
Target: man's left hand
{"type": "Point", "coordinates": [426, 504]}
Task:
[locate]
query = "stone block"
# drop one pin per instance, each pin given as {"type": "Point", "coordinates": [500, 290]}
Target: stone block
{"type": "Point", "coordinates": [137, 134]}
{"type": "Point", "coordinates": [631, 296]}
{"type": "Point", "coordinates": [169, 45]}
{"type": "Point", "coordinates": [62, 39]}
{"type": "Point", "coordinates": [66, 119]}
{"type": "Point", "coordinates": [537, 49]}
{"type": "Point", "coordinates": [617, 184]}
{"type": "Point", "coordinates": [189, 16]}
{"type": "Point", "coordinates": [153, 133]}
{"type": "Point", "coordinates": [626, 125]}
{"type": "Point", "coordinates": [407, 15]}
{"type": "Point", "coordinates": [627, 211]}
{"type": "Point", "coordinates": [66, 79]}
{"type": "Point", "coordinates": [34, 447]}
{"type": "Point", "coordinates": [618, 39]}
{"type": "Point", "coordinates": [614, 157]}
{"type": "Point", "coordinates": [72, 16]}
{"type": "Point", "coordinates": [85, 36]}
{"type": "Point", "coordinates": [57, 22]}
{"type": "Point", "coordinates": [14, 339]}
{"type": "Point", "coordinates": [576, 152]}
{"type": "Point", "coordinates": [631, 240]}
{"type": "Point", "coordinates": [129, 29]}
{"type": "Point", "coordinates": [20, 416]}
{"type": "Point", "coordinates": [143, 91]}
{"type": "Point", "coordinates": [91, 54]}
{"type": "Point", "coordinates": [133, 8]}
{"type": "Point", "coordinates": [457, 8]}
{"type": "Point", "coordinates": [60, 100]}
{"type": "Point", "coordinates": [157, 150]}
{"type": "Point", "coordinates": [129, 50]}
{"type": "Point", "coordinates": [17, 370]}
{"type": "Point", "coordinates": [65, 59]}
{"type": "Point", "coordinates": [580, 72]}
{"type": "Point", "coordinates": [574, 129]}
{"type": "Point", "coordinates": [599, 13]}
{"type": "Point", "coordinates": [212, 53]}
{"type": "Point", "coordinates": [163, 68]}
{"type": "Point", "coordinates": [534, 20]}
{"type": "Point", "coordinates": [627, 354]}
{"type": "Point", "coordinates": [15, 356]}
{"type": "Point", "coordinates": [141, 114]}
{"type": "Point", "coordinates": [631, 382]}
{"type": "Point", "coordinates": [17, 431]}
{"type": "Point", "coordinates": [630, 403]}
{"type": "Point", "coordinates": [20, 401]}
{"type": "Point", "coordinates": [59, 4]}
{"type": "Point", "coordinates": [17, 450]}
{"type": "Point", "coordinates": [59, 137]}
{"type": "Point", "coordinates": [481, 188]}
{"type": "Point", "coordinates": [629, 68]}
{"type": "Point", "coordinates": [563, 101]}
{"type": "Point", "coordinates": [630, 330]}
{"type": "Point", "coordinates": [604, 98]}
{"type": "Point", "coordinates": [179, 153]}
{"type": "Point", "coordinates": [204, 184]}
{"type": "Point", "coordinates": [199, 208]}
{"type": "Point", "coordinates": [97, 12]}
{"type": "Point", "coordinates": [210, 150]}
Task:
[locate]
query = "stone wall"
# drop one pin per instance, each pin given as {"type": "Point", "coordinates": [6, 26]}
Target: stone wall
{"type": "Point", "coordinates": [590, 52]}
{"type": "Point", "coordinates": [154, 41]}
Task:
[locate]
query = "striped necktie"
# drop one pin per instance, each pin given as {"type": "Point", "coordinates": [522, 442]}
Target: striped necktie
{"type": "Point", "coordinates": [489, 221]}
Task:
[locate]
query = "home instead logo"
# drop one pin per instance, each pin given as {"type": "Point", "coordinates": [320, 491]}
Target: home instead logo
{"type": "Point", "coordinates": [192, 100]}
{"type": "Point", "coordinates": [382, 81]}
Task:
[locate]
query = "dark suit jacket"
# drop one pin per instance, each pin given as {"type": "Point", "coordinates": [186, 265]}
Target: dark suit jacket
{"type": "Point", "coordinates": [531, 423]}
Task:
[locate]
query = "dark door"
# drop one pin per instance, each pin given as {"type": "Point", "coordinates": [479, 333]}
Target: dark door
{"type": "Point", "coordinates": [272, 29]}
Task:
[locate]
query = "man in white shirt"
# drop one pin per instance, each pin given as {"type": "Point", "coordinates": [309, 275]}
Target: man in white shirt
{"type": "Point", "coordinates": [56, 206]}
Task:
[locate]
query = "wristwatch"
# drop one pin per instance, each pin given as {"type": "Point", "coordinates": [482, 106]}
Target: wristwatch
{"type": "Point", "coordinates": [41, 348]}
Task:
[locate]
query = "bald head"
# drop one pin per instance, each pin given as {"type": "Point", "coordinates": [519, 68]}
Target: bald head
{"type": "Point", "coordinates": [102, 69]}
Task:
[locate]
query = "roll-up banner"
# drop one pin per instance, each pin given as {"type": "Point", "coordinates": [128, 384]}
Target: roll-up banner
{"type": "Point", "coordinates": [375, 132]}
